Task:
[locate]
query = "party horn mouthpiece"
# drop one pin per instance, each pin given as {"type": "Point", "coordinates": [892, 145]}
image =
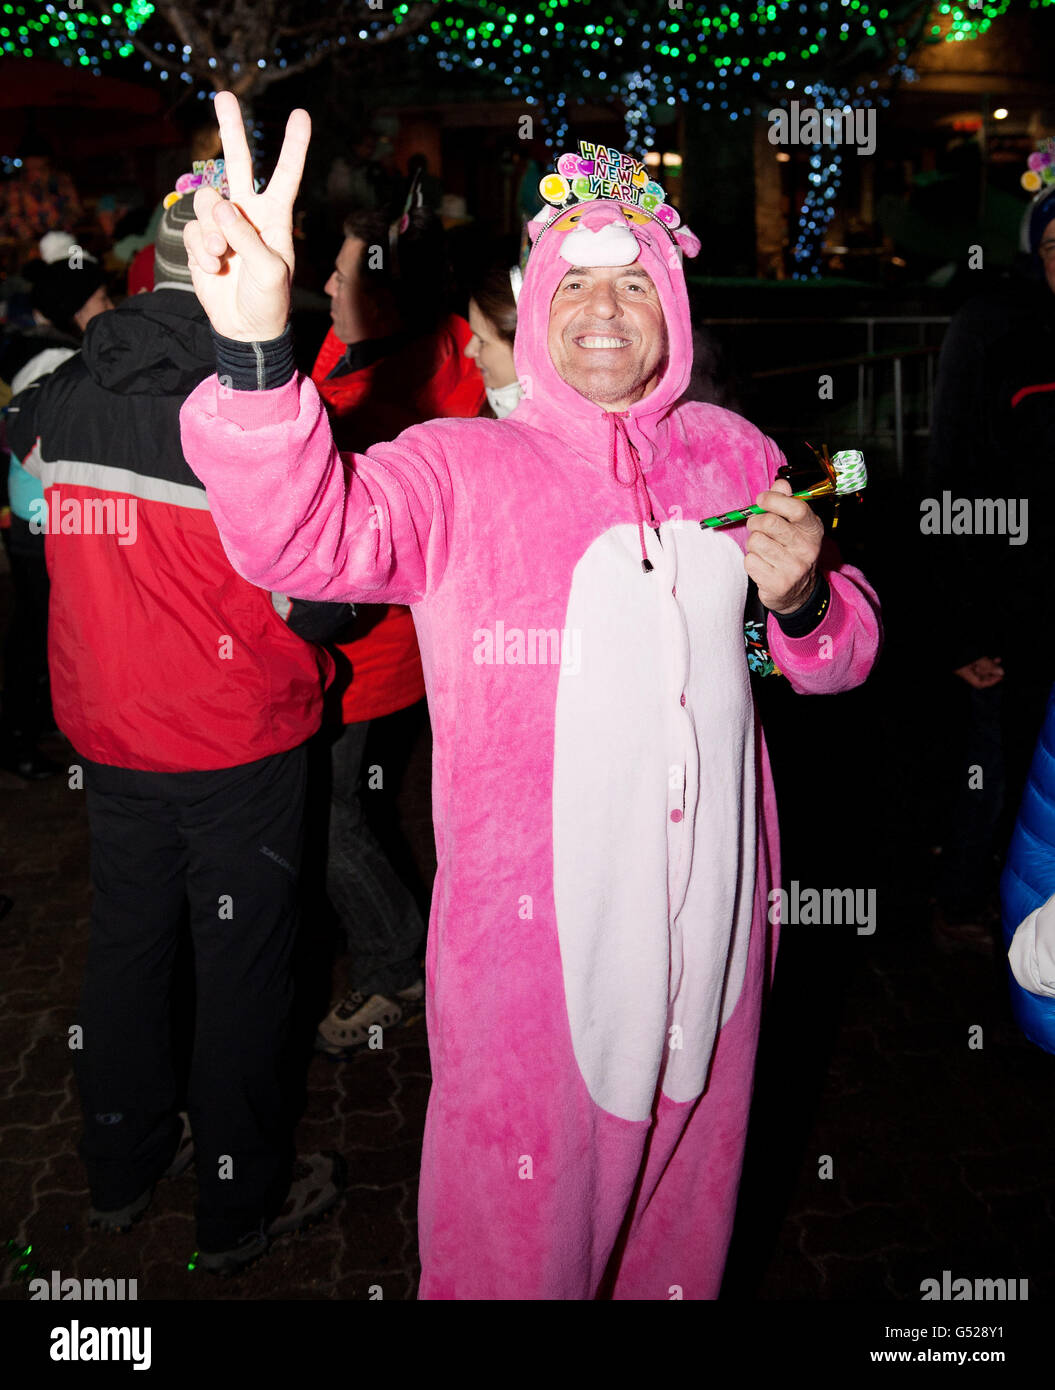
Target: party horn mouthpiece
{"type": "Point", "coordinates": [851, 475]}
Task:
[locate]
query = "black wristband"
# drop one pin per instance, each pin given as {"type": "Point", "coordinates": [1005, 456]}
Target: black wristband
{"type": "Point", "coordinates": [255, 366]}
{"type": "Point", "coordinates": [802, 622]}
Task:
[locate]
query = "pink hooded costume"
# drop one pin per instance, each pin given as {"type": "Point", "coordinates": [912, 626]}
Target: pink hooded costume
{"type": "Point", "coordinates": [606, 829]}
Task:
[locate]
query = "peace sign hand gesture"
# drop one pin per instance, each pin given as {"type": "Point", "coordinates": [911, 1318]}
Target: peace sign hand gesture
{"type": "Point", "coordinates": [241, 251]}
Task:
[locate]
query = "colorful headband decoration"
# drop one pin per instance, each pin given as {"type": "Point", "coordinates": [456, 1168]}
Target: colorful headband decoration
{"type": "Point", "coordinates": [598, 171]}
{"type": "Point", "coordinates": [1041, 171]}
{"type": "Point", "coordinates": [844, 473]}
{"type": "Point", "coordinates": [205, 173]}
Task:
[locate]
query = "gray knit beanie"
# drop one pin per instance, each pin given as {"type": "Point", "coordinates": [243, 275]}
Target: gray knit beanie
{"type": "Point", "coordinates": [170, 254]}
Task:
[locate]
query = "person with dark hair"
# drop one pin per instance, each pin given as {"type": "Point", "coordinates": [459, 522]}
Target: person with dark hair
{"type": "Point", "coordinates": [493, 319]}
{"type": "Point", "coordinates": [993, 434]}
{"type": "Point", "coordinates": [67, 288]}
{"type": "Point", "coordinates": [392, 359]}
{"type": "Point", "coordinates": [362, 318]}
{"type": "Point", "coordinates": [67, 294]}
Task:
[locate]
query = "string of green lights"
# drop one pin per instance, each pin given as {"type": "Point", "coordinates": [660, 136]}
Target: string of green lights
{"type": "Point", "coordinates": [729, 58]}
{"type": "Point", "coordinates": [731, 40]}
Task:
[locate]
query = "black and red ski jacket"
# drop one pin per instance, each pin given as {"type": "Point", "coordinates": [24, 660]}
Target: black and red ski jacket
{"type": "Point", "coordinates": [162, 657]}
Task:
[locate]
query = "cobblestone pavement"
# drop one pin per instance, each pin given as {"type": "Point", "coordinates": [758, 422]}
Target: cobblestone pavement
{"type": "Point", "coordinates": [885, 1148]}
{"type": "Point", "coordinates": [370, 1108]}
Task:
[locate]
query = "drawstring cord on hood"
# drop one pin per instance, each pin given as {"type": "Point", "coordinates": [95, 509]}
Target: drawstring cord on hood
{"type": "Point", "coordinates": [637, 482]}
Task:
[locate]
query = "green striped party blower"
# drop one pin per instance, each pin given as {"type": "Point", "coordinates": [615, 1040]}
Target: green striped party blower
{"type": "Point", "coordinates": [846, 473]}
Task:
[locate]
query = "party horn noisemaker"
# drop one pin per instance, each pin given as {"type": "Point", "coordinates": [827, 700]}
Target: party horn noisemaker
{"type": "Point", "coordinates": [846, 473]}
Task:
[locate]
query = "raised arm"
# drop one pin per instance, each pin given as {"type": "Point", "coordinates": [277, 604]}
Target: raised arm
{"type": "Point", "coordinates": [293, 516]}
{"type": "Point", "coordinates": [296, 517]}
{"type": "Point", "coordinates": [241, 251]}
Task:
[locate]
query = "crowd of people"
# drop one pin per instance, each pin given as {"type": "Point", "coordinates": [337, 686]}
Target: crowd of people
{"type": "Point", "coordinates": [484, 496]}
{"type": "Point", "coordinates": [198, 762]}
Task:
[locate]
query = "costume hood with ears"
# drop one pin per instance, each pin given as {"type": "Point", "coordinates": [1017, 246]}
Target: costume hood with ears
{"type": "Point", "coordinates": [603, 232]}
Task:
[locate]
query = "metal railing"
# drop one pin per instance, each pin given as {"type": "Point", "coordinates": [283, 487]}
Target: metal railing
{"type": "Point", "coordinates": [867, 364]}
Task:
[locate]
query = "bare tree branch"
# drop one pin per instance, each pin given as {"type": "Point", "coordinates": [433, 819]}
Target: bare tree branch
{"type": "Point", "coordinates": [310, 60]}
{"type": "Point", "coordinates": [414, 19]}
{"type": "Point", "coordinates": [417, 16]}
{"type": "Point", "coordinates": [318, 26]}
{"type": "Point", "coordinates": [195, 35]}
{"type": "Point", "coordinates": [249, 32]}
{"type": "Point", "coordinates": [162, 62]}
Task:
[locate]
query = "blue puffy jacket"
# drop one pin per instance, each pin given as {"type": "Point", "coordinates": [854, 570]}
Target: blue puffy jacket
{"type": "Point", "coordinates": [1028, 880]}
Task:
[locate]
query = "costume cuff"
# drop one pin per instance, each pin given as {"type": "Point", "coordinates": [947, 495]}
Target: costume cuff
{"type": "Point", "coordinates": [255, 366]}
{"type": "Point", "coordinates": [805, 619]}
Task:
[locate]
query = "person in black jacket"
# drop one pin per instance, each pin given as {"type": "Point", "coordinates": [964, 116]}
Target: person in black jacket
{"type": "Point", "coordinates": [188, 701]}
{"type": "Point", "coordinates": [993, 437]}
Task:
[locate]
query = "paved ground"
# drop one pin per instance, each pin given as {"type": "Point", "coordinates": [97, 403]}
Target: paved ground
{"type": "Point", "coordinates": [941, 1154]}
{"type": "Point", "coordinates": [370, 1109]}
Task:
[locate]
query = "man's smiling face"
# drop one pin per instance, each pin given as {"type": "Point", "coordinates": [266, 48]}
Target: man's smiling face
{"type": "Point", "coordinates": [607, 334]}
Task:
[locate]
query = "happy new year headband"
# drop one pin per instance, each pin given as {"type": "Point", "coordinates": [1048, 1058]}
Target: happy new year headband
{"type": "Point", "coordinates": [205, 173]}
{"type": "Point", "coordinates": [598, 171]}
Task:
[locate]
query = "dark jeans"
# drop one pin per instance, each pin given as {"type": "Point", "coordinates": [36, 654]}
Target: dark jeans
{"type": "Point", "coordinates": [377, 911]}
{"type": "Point", "coordinates": [228, 845]}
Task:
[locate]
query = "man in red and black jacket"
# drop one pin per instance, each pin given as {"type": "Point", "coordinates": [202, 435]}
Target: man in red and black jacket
{"type": "Point", "coordinates": [188, 700]}
{"type": "Point", "coordinates": [393, 358]}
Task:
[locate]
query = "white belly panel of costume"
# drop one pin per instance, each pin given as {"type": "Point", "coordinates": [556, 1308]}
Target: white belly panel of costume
{"type": "Point", "coordinates": [654, 817]}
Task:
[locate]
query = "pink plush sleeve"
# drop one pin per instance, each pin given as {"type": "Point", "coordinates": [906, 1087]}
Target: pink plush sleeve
{"type": "Point", "coordinates": [297, 518]}
{"type": "Point", "coordinates": [839, 653]}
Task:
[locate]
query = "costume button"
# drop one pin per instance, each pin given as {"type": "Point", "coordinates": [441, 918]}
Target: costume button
{"type": "Point", "coordinates": [676, 816]}
{"type": "Point", "coordinates": [683, 699]}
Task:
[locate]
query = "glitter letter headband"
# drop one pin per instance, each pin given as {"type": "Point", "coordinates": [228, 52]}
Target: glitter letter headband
{"type": "Point", "coordinates": [205, 173]}
{"type": "Point", "coordinates": [599, 172]}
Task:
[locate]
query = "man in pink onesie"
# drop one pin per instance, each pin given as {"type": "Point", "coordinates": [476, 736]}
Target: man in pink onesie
{"type": "Point", "coordinates": [606, 831]}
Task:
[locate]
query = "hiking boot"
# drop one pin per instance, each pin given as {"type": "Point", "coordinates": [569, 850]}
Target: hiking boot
{"type": "Point", "coordinates": [346, 1028]}
{"type": "Point", "coordinates": [123, 1218]}
{"type": "Point", "coordinates": [318, 1181]}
